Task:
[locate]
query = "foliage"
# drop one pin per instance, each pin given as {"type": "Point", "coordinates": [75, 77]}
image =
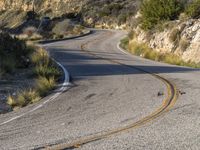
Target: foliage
{"type": "Point", "coordinates": [155, 11]}
{"type": "Point", "coordinates": [193, 9]}
{"type": "Point", "coordinates": [40, 57]}
{"type": "Point", "coordinates": [11, 101]}
{"type": "Point", "coordinates": [13, 53]}
{"type": "Point", "coordinates": [144, 51]}
{"type": "Point", "coordinates": [47, 71]}
{"type": "Point", "coordinates": [44, 85]}
{"type": "Point", "coordinates": [63, 27]}
{"type": "Point", "coordinates": [124, 43]}
{"type": "Point", "coordinates": [26, 97]}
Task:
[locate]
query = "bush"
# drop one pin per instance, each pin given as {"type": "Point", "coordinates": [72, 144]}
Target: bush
{"type": "Point", "coordinates": [155, 11]}
{"type": "Point", "coordinates": [193, 9]}
{"type": "Point", "coordinates": [63, 27]}
{"type": "Point", "coordinates": [124, 43]}
{"type": "Point", "coordinates": [44, 85]}
{"type": "Point", "coordinates": [13, 50]}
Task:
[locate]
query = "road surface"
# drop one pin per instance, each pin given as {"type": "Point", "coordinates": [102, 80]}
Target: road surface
{"type": "Point", "coordinates": [108, 92]}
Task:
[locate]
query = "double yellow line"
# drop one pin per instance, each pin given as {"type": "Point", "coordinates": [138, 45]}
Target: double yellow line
{"type": "Point", "coordinates": [168, 102]}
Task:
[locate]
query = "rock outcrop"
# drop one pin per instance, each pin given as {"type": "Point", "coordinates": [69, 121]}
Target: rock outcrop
{"type": "Point", "coordinates": [180, 37]}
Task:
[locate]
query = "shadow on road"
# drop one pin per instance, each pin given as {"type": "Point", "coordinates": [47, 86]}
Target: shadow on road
{"type": "Point", "coordinates": [81, 64]}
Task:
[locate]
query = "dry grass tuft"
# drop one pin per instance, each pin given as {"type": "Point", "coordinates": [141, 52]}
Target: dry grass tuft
{"type": "Point", "coordinates": [44, 85]}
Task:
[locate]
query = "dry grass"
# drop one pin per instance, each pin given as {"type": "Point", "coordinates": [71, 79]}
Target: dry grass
{"type": "Point", "coordinates": [174, 35]}
{"type": "Point", "coordinates": [146, 52]}
{"type": "Point", "coordinates": [26, 97]}
{"type": "Point", "coordinates": [44, 85]}
{"type": "Point", "coordinates": [40, 57]}
{"type": "Point", "coordinates": [47, 74]}
{"type": "Point", "coordinates": [184, 43]}
{"type": "Point", "coordinates": [11, 101]}
{"type": "Point", "coordinates": [46, 71]}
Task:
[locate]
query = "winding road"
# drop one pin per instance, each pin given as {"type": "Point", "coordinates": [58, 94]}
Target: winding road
{"type": "Point", "coordinates": [115, 101]}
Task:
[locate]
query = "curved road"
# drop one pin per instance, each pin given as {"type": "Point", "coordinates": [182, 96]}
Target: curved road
{"type": "Point", "coordinates": [107, 93]}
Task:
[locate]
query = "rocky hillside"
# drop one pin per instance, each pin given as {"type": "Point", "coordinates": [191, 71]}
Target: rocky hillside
{"type": "Point", "coordinates": [103, 13]}
{"type": "Point", "coordinates": [180, 37]}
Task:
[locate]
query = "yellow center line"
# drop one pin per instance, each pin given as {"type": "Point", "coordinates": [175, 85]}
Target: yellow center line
{"type": "Point", "coordinates": [168, 103]}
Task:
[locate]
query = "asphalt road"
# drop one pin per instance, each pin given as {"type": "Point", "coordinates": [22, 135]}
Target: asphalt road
{"type": "Point", "coordinates": [106, 94]}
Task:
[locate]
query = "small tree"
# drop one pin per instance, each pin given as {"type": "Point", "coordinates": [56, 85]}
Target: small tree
{"type": "Point", "coordinates": [155, 11]}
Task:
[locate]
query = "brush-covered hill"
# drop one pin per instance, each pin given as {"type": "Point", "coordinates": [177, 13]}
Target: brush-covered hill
{"type": "Point", "coordinates": [100, 12]}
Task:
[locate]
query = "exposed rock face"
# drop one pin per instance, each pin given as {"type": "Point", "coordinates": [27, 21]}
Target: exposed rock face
{"type": "Point", "coordinates": [181, 38]}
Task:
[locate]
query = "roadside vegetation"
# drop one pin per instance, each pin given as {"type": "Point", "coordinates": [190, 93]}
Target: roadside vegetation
{"type": "Point", "coordinates": [143, 50]}
{"type": "Point", "coordinates": [154, 13]}
{"type": "Point", "coordinates": [67, 28]}
{"type": "Point", "coordinates": [14, 55]}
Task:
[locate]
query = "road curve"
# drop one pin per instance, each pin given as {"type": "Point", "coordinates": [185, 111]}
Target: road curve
{"type": "Point", "coordinates": [109, 91]}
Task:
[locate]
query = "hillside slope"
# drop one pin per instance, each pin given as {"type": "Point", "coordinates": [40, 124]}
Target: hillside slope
{"type": "Point", "coordinates": [108, 13]}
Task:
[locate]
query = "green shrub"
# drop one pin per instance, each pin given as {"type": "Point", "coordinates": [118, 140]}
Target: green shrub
{"type": "Point", "coordinates": [44, 85]}
{"type": "Point", "coordinates": [111, 9]}
{"type": "Point", "coordinates": [13, 51]}
{"type": "Point", "coordinates": [132, 34]}
{"type": "Point", "coordinates": [193, 9]}
{"type": "Point", "coordinates": [124, 43]}
{"type": "Point", "coordinates": [155, 11]}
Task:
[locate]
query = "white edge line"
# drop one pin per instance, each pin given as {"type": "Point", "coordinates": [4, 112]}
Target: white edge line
{"type": "Point", "coordinates": [122, 50]}
{"type": "Point", "coordinates": [64, 87]}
